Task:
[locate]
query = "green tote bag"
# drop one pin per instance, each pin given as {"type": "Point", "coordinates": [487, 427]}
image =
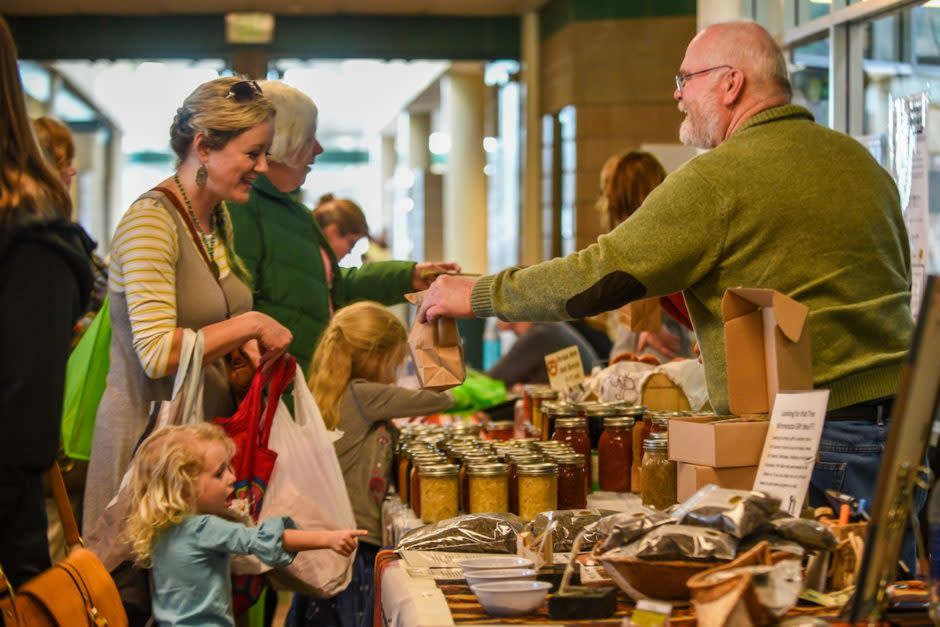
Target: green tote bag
{"type": "Point", "coordinates": [85, 377]}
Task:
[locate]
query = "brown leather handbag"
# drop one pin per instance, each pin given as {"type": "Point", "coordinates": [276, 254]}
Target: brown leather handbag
{"type": "Point", "coordinates": [75, 592]}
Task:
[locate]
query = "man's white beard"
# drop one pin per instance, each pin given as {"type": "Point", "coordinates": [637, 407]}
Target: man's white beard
{"type": "Point", "coordinates": [700, 129]}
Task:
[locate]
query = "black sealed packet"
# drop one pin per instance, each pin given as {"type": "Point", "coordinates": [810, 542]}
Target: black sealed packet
{"type": "Point", "coordinates": [624, 527]}
{"type": "Point", "coordinates": [472, 533]}
{"type": "Point", "coordinates": [810, 534]}
{"type": "Point", "coordinates": [738, 512]}
{"type": "Point", "coordinates": [682, 542]}
{"type": "Point", "coordinates": [566, 524]}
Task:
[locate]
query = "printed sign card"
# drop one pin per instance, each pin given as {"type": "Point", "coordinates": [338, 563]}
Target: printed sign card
{"type": "Point", "coordinates": [564, 368]}
{"type": "Point", "coordinates": [789, 454]}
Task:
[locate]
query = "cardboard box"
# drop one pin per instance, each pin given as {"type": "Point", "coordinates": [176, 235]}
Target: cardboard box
{"type": "Point", "coordinates": [766, 346]}
{"type": "Point", "coordinates": [719, 442]}
{"type": "Point", "coordinates": [661, 394]}
{"type": "Point", "coordinates": [691, 477]}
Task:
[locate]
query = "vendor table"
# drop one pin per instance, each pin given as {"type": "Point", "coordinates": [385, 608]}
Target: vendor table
{"type": "Point", "coordinates": [404, 601]}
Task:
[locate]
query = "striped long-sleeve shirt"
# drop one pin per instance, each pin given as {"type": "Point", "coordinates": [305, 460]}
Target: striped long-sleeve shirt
{"type": "Point", "coordinates": [144, 252]}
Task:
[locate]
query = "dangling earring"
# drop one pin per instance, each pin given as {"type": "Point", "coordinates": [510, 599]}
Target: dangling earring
{"type": "Point", "coordinates": [202, 175]}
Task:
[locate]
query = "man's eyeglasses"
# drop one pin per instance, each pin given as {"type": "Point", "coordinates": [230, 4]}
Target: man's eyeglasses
{"type": "Point", "coordinates": [244, 91]}
{"type": "Point", "coordinates": [682, 79]}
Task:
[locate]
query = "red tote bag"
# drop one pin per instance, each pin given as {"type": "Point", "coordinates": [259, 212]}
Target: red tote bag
{"type": "Point", "coordinates": [250, 429]}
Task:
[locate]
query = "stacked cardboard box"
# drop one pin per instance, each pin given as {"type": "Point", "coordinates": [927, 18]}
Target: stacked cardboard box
{"type": "Point", "coordinates": [767, 350]}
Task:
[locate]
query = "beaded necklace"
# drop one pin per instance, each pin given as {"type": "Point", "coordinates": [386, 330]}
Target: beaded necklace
{"type": "Point", "coordinates": [208, 240]}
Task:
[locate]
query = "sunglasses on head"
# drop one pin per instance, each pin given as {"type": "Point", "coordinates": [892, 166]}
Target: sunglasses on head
{"type": "Point", "coordinates": [243, 91]}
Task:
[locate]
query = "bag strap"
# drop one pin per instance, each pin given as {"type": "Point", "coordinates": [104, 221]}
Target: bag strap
{"type": "Point", "coordinates": [197, 240]}
{"type": "Point", "coordinates": [61, 496]}
{"type": "Point", "coordinates": [281, 378]}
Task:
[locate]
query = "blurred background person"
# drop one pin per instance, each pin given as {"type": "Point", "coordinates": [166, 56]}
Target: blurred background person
{"type": "Point", "coordinates": [45, 281]}
{"type": "Point", "coordinates": [524, 362]}
{"type": "Point", "coordinates": [641, 327]}
{"type": "Point", "coordinates": [342, 222]}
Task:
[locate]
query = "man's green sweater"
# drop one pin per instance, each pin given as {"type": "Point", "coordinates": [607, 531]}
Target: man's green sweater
{"type": "Point", "coordinates": [784, 203]}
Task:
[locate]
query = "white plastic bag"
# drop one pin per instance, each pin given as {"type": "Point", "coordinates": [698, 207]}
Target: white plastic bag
{"type": "Point", "coordinates": [307, 485]}
{"type": "Point", "coordinates": [106, 539]}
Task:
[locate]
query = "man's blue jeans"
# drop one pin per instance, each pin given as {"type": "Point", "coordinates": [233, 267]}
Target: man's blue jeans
{"type": "Point", "coordinates": [850, 457]}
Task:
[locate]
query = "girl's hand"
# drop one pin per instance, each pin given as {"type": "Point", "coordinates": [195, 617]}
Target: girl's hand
{"type": "Point", "coordinates": [273, 338]}
{"type": "Point", "coordinates": [344, 542]}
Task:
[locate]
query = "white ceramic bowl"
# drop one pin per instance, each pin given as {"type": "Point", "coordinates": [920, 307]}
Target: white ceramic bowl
{"type": "Point", "coordinates": [489, 563]}
{"type": "Point", "coordinates": [499, 574]}
{"type": "Point", "coordinates": [511, 598]}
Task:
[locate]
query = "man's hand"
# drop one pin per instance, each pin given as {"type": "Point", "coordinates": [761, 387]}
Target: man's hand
{"type": "Point", "coordinates": [425, 273]}
{"type": "Point", "coordinates": [448, 297]}
{"type": "Point", "coordinates": [664, 341]}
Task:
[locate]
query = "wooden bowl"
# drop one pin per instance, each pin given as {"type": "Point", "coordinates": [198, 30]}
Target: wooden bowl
{"type": "Point", "coordinates": [641, 579]}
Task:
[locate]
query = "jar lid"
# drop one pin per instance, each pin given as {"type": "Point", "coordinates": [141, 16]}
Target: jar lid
{"type": "Point", "coordinates": [438, 470]}
{"type": "Point", "coordinates": [483, 470]}
{"type": "Point", "coordinates": [661, 421]}
{"type": "Point", "coordinates": [499, 425]}
{"type": "Point", "coordinates": [602, 409]}
{"type": "Point", "coordinates": [618, 421]}
{"type": "Point", "coordinates": [625, 409]}
{"type": "Point", "coordinates": [543, 392]}
{"type": "Point", "coordinates": [568, 458]}
{"type": "Point", "coordinates": [541, 468]}
{"type": "Point", "coordinates": [560, 408]}
{"type": "Point", "coordinates": [656, 441]}
{"type": "Point", "coordinates": [570, 423]}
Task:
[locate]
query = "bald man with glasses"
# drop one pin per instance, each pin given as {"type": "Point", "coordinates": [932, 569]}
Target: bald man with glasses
{"type": "Point", "coordinates": [778, 202]}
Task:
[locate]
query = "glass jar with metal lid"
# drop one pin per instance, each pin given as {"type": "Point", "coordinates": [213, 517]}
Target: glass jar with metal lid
{"type": "Point", "coordinates": [554, 410]}
{"type": "Point", "coordinates": [574, 432]}
{"type": "Point", "coordinates": [463, 483]}
{"type": "Point", "coordinates": [572, 493]}
{"type": "Point", "coordinates": [438, 492]}
{"type": "Point", "coordinates": [659, 473]}
{"type": "Point", "coordinates": [535, 396]}
{"type": "Point", "coordinates": [538, 489]}
{"type": "Point", "coordinates": [615, 454]}
{"type": "Point", "coordinates": [414, 485]}
{"type": "Point", "coordinates": [515, 460]}
{"type": "Point", "coordinates": [499, 430]}
{"type": "Point", "coordinates": [489, 488]}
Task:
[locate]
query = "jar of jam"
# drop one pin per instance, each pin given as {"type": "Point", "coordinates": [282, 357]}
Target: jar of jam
{"type": "Point", "coordinates": [514, 461]}
{"type": "Point", "coordinates": [615, 454]}
{"type": "Point", "coordinates": [659, 474]}
{"type": "Point", "coordinates": [489, 488]}
{"type": "Point", "coordinates": [538, 489]}
{"type": "Point", "coordinates": [552, 411]}
{"type": "Point", "coordinates": [659, 422]}
{"type": "Point", "coordinates": [571, 485]}
{"type": "Point", "coordinates": [641, 431]}
{"type": "Point", "coordinates": [538, 395]}
{"type": "Point", "coordinates": [574, 432]}
{"type": "Point", "coordinates": [499, 430]}
{"type": "Point", "coordinates": [438, 492]}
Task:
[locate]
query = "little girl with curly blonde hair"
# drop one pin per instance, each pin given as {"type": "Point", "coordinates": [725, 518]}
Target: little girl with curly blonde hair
{"type": "Point", "coordinates": [181, 525]}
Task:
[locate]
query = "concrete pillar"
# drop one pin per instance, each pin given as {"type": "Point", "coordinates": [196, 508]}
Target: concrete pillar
{"type": "Point", "coordinates": [530, 220]}
{"type": "Point", "coordinates": [462, 101]}
{"type": "Point", "coordinates": [387, 162]}
{"type": "Point", "coordinates": [419, 128]}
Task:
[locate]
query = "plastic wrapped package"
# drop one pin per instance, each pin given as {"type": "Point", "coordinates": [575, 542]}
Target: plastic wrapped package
{"type": "Point", "coordinates": [471, 533]}
{"type": "Point", "coordinates": [624, 527]}
{"type": "Point", "coordinates": [682, 542]}
{"type": "Point", "coordinates": [566, 525]}
{"type": "Point", "coordinates": [737, 512]}
{"type": "Point", "coordinates": [810, 534]}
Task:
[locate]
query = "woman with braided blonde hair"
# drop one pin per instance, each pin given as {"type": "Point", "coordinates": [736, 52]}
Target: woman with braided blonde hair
{"type": "Point", "coordinates": [353, 382]}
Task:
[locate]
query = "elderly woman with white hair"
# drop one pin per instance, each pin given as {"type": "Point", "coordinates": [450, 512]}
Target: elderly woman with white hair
{"type": "Point", "coordinates": [296, 275]}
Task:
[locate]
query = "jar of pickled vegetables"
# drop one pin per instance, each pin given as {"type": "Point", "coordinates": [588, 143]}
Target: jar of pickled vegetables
{"type": "Point", "coordinates": [489, 488]}
{"type": "Point", "coordinates": [438, 492]}
{"type": "Point", "coordinates": [538, 489]}
{"type": "Point", "coordinates": [659, 474]}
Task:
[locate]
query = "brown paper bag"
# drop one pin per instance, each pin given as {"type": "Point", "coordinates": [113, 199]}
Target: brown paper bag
{"type": "Point", "coordinates": [437, 351]}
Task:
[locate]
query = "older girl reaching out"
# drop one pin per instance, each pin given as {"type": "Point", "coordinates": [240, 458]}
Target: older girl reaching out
{"type": "Point", "coordinates": [181, 525]}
